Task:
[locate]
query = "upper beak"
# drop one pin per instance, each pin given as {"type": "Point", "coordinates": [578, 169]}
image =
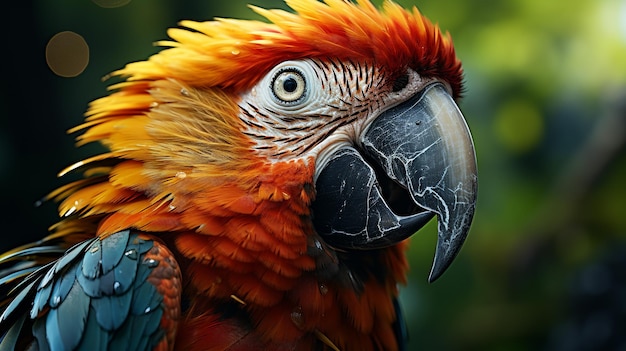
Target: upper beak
{"type": "Point", "coordinates": [415, 160]}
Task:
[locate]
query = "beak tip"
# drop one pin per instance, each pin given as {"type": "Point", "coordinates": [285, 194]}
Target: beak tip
{"type": "Point", "coordinates": [449, 244]}
{"type": "Point", "coordinates": [438, 268]}
{"type": "Point", "coordinates": [433, 277]}
{"type": "Point", "coordinates": [440, 265]}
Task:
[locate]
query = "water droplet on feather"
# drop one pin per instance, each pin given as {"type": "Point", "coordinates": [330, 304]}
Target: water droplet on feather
{"type": "Point", "coordinates": [117, 287]}
{"type": "Point", "coordinates": [151, 263]}
{"type": "Point", "coordinates": [132, 254]}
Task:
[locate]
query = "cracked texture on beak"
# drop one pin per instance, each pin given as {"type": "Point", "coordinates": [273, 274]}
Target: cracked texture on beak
{"type": "Point", "coordinates": [425, 145]}
{"type": "Point", "coordinates": [424, 148]}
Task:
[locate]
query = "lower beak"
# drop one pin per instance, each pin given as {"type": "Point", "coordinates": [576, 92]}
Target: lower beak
{"type": "Point", "coordinates": [416, 160]}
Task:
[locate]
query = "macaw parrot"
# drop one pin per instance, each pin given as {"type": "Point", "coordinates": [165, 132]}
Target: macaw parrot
{"type": "Point", "coordinates": [259, 183]}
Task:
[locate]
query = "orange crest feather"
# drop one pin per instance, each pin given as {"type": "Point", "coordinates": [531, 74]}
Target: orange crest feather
{"type": "Point", "coordinates": [234, 54]}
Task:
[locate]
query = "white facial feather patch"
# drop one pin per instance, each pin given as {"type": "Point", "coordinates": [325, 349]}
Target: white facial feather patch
{"type": "Point", "coordinates": [340, 98]}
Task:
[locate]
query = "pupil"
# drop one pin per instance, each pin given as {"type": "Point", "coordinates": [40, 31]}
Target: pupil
{"type": "Point", "coordinates": [290, 85]}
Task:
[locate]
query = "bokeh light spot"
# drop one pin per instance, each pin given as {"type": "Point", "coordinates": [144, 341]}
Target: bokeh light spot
{"type": "Point", "coordinates": [109, 4]}
{"type": "Point", "coordinates": [67, 54]}
{"type": "Point", "coordinates": [519, 126]}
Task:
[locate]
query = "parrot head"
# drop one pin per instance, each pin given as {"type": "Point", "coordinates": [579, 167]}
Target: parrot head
{"type": "Point", "coordinates": [280, 150]}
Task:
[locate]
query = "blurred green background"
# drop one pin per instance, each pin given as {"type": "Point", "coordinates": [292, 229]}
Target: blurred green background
{"type": "Point", "coordinates": [544, 267]}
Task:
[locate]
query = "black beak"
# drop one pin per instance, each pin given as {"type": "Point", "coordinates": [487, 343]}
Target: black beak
{"type": "Point", "coordinates": [414, 161]}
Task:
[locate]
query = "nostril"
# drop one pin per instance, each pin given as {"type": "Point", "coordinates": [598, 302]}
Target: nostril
{"type": "Point", "coordinates": [400, 82]}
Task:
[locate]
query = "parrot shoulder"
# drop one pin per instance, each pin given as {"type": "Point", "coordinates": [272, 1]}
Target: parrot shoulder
{"type": "Point", "coordinates": [121, 291]}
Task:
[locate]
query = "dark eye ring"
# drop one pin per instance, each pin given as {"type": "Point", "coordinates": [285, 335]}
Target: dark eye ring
{"type": "Point", "coordinates": [289, 85]}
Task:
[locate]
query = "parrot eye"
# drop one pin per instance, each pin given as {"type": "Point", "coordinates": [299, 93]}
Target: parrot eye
{"type": "Point", "coordinates": [288, 88]}
{"type": "Point", "coordinates": [289, 85]}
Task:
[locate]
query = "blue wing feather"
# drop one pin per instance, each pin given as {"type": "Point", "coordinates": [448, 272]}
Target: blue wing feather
{"type": "Point", "coordinates": [93, 337]}
{"type": "Point", "coordinates": [39, 332]}
{"type": "Point", "coordinates": [71, 255]}
{"type": "Point", "coordinates": [95, 297]}
{"type": "Point", "coordinates": [124, 275]}
{"type": "Point", "coordinates": [92, 260]}
{"type": "Point", "coordinates": [60, 290]}
{"type": "Point", "coordinates": [111, 253]}
{"type": "Point", "coordinates": [40, 301]}
{"type": "Point", "coordinates": [17, 302]}
{"type": "Point", "coordinates": [15, 275]}
{"type": "Point", "coordinates": [147, 298]}
{"type": "Point", "coordinates": [112, 311]}
{"type": "Point", "coordinates": [65, 324]}
{"type": "Point", "coordinates": [140, 332]}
